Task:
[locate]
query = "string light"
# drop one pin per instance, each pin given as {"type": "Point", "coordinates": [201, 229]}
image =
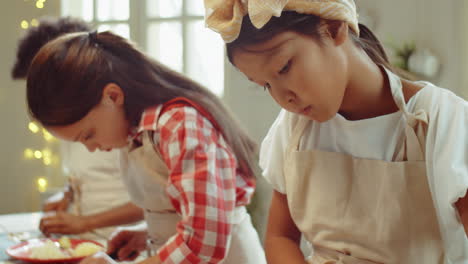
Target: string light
{"type": "Point", "coordinates": [33, 127]}
{"type": "Point", "coordinates": [46, 155]}
{"type": "Point", "coordinates": [47, 136]}
{"type": "Point", "coordinates": [34, 22]}
{"type": "Point", "coordinates": [47, 161]}
{"type": "Point", "coordinates": [38, 154]}
{"type": "Point", "coordinates": [40, 4]}
{"type": "Point", "coordinates": [41, 184]}
{"type": "Point", "coordinates": [24, 24]}
{"type": "Point", "coordinates": [28, 153]}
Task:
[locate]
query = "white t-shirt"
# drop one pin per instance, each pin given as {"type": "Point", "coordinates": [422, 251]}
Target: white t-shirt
{"type": "Point", "coordinates": [100, 178]}
{"type": "Point", "coordinates": [378, 138]}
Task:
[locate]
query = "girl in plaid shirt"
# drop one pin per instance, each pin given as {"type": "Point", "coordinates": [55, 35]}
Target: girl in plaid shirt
{"type": "Point", "coordinates": [188, 162]}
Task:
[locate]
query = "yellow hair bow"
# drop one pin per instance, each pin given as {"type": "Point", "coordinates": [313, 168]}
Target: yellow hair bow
{"type": "Point", "coordinates": [225, 16]}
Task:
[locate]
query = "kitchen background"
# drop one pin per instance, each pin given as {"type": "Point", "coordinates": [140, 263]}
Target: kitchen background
{"type": "Point", "coordinates": [434, 32]}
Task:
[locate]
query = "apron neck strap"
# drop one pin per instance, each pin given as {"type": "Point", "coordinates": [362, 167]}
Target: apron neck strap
{"type": "Point", "coordinates": [413, 147]}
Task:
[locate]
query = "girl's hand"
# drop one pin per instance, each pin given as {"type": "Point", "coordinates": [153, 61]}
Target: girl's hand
{"type": "Point", "coordinates": [462, 207]}
{"type": "Point", "coordinates": [126, 245]}
{"type": "Point", "coordinates": [58, 202]}
{"type": "Point", "coordinates": [98, 258]}
{"type": "Point", "coordinates": [152, 260]}
{"type": "Point", "coordinates": [63, 223]}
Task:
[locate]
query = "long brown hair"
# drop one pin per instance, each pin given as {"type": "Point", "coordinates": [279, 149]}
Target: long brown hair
{"type": "Point", "coordinates": [304, 24]}
{"type": "Point", "coordinates": [67, 76]}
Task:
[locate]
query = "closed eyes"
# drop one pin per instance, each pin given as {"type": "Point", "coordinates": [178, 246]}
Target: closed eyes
{"type": "Point", "coordinates": [89, 136]}
{"type": "Point", "coordinates": [285, 68]}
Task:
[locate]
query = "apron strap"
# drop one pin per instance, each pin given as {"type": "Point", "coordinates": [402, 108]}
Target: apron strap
{"type": "Point", "coordinates": [413, 148]}
{"type": "Point", "coordinates": [298, 128]}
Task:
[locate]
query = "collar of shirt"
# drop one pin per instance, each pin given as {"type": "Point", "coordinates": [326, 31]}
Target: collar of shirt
{"type": "Point", "coordinates": [148, 121]}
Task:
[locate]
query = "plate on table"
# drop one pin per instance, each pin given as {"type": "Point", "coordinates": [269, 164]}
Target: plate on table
{"type": "Point", "coordinates": [41, 250]}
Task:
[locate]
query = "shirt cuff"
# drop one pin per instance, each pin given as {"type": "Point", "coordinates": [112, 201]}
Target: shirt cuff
{"type": "Point", "coordinates": [176, 251]}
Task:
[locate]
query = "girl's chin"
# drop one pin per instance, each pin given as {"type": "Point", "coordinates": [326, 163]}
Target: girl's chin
{"type": "Point", "coordinates": [321, 119]}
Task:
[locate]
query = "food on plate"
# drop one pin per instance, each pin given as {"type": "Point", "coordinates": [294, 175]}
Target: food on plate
{"type": "Point", "coordinates": [65, 242]}
{"type": "Point", "coordinates": [48, 250]}
{"type": "Point", "coordinates": [64, 248]}
{"type": "Point", "coordinates": [86, 249]}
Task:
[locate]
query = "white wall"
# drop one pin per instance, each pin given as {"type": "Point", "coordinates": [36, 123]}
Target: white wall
{"type": "Point", "coordinates": [437, 25]}
{"type": "Point", "coordinates": [462, 30]}
{"type": "Point", "coordinates": [18, 191]}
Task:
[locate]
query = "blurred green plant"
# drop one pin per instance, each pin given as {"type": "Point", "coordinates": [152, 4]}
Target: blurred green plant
{"type": "Point", "coordinates": [402, 53]}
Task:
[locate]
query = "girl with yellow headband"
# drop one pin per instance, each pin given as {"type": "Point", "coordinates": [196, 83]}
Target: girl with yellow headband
{"type": "Point", "coordinates": [367, 166]}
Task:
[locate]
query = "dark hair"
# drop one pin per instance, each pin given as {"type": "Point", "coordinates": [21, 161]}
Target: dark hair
{"type": "Point", "coordinates": [49, 28]}
{"type": "Point", "coordinates": [67, 76]}
{"type": "Point", "coordinates": [304, 24]}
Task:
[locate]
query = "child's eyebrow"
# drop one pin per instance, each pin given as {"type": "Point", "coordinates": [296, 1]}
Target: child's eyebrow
{"type": "Point", "coordinates": [270, 50]}
{"type": "Point", "coordinates": [273, 51]}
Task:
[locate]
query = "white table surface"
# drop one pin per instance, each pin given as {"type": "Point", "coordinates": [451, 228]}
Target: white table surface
{"type": "Point", "coordinates": [22, 222]}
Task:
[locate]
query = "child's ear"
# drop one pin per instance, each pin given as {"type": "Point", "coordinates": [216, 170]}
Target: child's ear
{"type": "Point", "coordinates": [112, 94]}
{"type": "Point", "coordinates": [337, 31]}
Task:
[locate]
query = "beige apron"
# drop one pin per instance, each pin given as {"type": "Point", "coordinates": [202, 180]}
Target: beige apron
{"type": "Point", "coordinates": [355, 210]}
{"type": "Point", "coordinates": [146, 179]}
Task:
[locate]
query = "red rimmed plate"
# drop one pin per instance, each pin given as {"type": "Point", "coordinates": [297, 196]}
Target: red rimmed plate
{"type": "Point", "coordinates": [22, 251]}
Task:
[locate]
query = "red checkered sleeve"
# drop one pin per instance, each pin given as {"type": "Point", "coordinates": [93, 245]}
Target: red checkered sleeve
{"type": "Point", "coordinates": [202, 186]}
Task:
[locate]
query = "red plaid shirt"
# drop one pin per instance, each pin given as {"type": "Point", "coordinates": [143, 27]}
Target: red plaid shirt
{"type": "Point", "coordinates": [204, 184]}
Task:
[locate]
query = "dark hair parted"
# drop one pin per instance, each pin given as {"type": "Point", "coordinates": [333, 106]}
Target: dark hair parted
{"type": "Point", "coordinates": [67, 77]}
{"type": "Point", "coordinates": [49, 28]}
{"type": "Point", "coordinates": [304, 24]}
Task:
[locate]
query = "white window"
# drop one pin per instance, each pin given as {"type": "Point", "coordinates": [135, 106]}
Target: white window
{"type": "Point", "coordinates": [171, 31]}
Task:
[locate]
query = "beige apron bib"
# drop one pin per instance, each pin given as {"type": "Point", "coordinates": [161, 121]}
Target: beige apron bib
{"type": "Point", "coordinates": [146, 178]}
{"type": "Point", "coordinates": [355, 210]}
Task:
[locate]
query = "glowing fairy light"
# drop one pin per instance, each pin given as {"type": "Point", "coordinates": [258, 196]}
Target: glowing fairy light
{"type": "Point", "coordinates": [42, 184]}
{"type": "Point", "coordinates": [33, 127]}
{"type": "Point", "coordinates": [47, 135]}
{"type": "Point", "coordinates": [47, 157]}
{"type": "Point", "coordinates": [46, 153]}
{"type": "Point", "coordinates": [34, 22]}
{"type": "Point", "coordinates": [28, 153]}
{"type": "Point", "coordinates": [24, 24]}
{"type": "Point", "coordinates": [38, 154]}
{"type": "Point", "coordinates": [47, 161]}
{"type": "Point", "coordinates": [40, 4]}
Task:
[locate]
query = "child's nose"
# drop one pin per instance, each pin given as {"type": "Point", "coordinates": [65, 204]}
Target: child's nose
{"type": "Point", "coordinates": [290, 97]}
